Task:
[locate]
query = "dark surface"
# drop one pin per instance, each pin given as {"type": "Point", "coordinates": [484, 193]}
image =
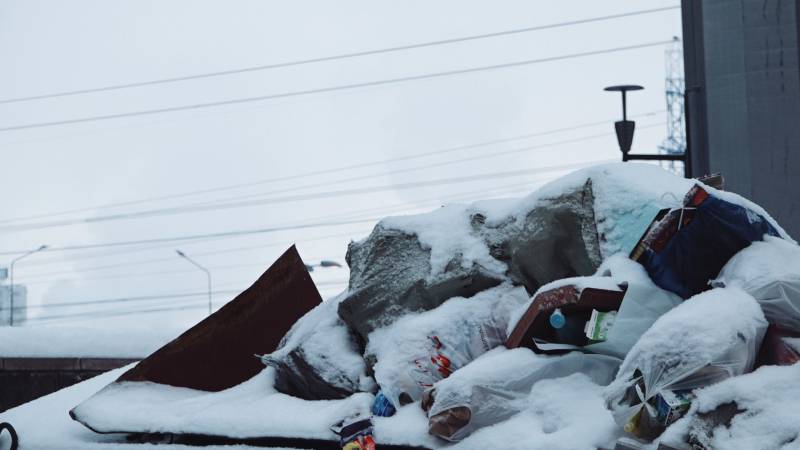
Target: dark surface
{"type": "Point", "coordinates": [203, 440]}
{"type": "Point", "coordinates": [26, 379]}
{"type": "Point", "coordinates": [742, 65]}
{"type": "Point", "coordinates": [217, 353]}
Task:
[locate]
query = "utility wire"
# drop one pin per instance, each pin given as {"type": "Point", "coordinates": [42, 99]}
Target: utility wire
{"type": "Point", "coordinates": [392, 209]}
{"type": "Point", "coordinates": [198, 236]}
{"type": "Point", "coordinates": [351, 86]}
{"type": "Point", "coordinates": [316, 173]}
{"type": "Point", "coordinates": [36, 278]}
{"type": "Point", "coordinates": [141, 298]}
{"type": "Point", "coordinates": [483, 176]}
{"type": "Point", "coordinates": [335, 57]}
{"type": "Point", "coordinates": [289, 198]}
{"type": "Point", "coordinates": [100, 314]}
{"type": "Point", "coordinates": [346, 180]}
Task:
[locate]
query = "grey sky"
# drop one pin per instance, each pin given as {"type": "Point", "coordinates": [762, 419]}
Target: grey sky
{"type": "Point", "coordinates": [51, 46]}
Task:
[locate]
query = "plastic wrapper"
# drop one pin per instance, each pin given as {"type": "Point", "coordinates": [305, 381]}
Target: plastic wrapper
{"type": "Point", "coordinates": [496, 386]}
{"type": "Point", "coordinates": [419, 350]}
{"type": "Point", "coordinates": [709, 338]}
{"type": "Point", "coordinates": [770, 272]}
{"type": "Point", "coordinates": [688, 246]}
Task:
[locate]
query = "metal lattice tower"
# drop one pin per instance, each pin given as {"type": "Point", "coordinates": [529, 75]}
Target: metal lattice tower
{"type": "Point", "coordinates": [675, 143]}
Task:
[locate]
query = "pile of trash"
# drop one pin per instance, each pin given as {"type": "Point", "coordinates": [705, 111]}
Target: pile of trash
{"type": "Point", "coordinates": [657, 294]}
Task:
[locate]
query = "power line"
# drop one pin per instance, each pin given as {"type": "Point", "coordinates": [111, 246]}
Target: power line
{"type": "Point", "coordinates": [167, 272]}
{"type": "Point", "coordinates": [334, 57]}
{"type": "Point", "coordinates": [198, 236]}
{"type": "Point", "coordinates": [288, 198]}
{"type": "Point", "coordinates": [345, 180]}
{"type": "Point", "coordinates": [100, 314]}
{"type": "Point", "coordinates": [419, 155]}
{"type": "Point", "coordinates": [351, 86]}
{"type": "Point", "coordinates": [141, 298]}
{"type": "Point", "coordinates": [400, 207]}
{"type": "Point", "coordinates": [350, 215]}
{"type": "Point", "coordinates": [463, 179]}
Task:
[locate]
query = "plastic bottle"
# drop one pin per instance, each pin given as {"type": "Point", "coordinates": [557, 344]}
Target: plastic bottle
{"type": "Point", "coordinates": [557, 319]}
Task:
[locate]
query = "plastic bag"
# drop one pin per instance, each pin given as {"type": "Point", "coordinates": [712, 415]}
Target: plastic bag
{"type": "Point", "coordinates": [417, 351]}
{"type": "Point", "coordinates": [688, 246]}
{"type": "Point", "coordinates": [621, 287]}
{"type": "Point", "coordinates": [708, 338]}
{"type": "Point", "coordinates": [770, 272]}
{"type": "Point", "coordinates": [643, 304]}
{"type": "Point", "coordinates": [496, 386]}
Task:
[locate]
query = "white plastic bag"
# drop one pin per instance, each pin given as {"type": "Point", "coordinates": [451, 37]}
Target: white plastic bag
{"type": "Point", "coordinates": [418, 350]}
{"type": "Point", "coordinates": [643, 304]}
{"type": "Point", "coordinates": [708, 338]}
{"type": "Point", "coordinates": [770, 272]}
{"type": "Point", "coordinates": [496, 386]}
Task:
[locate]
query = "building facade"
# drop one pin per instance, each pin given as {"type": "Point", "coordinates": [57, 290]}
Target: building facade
{"type": "Point", "coordinates": [741, 60]}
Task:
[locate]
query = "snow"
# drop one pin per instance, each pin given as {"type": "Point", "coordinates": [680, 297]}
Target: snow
{"type": "Point", "coordinates": [44, 424]}
{"type": "Point", "coordinates": [447, 232]}
{"type": "Point", "coordinates": [327, 346]}
{"type": "Point", "coordinates": [251, 409]}
{"type": "Point", "coordinates": [770, 396]}
{"type": "Point", "coordinates": [82, 342]}
{"type": "Point", "coordinates": [700, 331]}
{"type": "Point", "coordinates": [626, 199]}
{"type": "Point", "coordinates": [721, 327]}
{"type": "Point", "coordinates": [761, 263]}
{"type": "Point", "coordinates": [566, 413]}
{"type": "Point", "coordinates": [464, 326]}
{"type": "Point", "coordinates": [709, 337]}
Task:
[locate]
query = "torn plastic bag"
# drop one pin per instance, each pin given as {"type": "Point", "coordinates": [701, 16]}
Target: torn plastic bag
{"type": "Point", "coordinates": [319, 359]}
{"type": "Point", "coordinates": [708, 338]}
{"type": "Point", "coordinates": [497, 385]}
{"type": "Point", "coordinates": [770, 272]}
{"type": "Point", "coordinates": [418, 350]}
{"type": "Point", "coordinates": [686, 247]}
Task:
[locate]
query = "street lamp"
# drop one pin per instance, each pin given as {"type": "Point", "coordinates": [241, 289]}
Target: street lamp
{"type": "Point", "coordinates": [11, 280]}
{"type": "Point", "coordinates": [625, 129]}
{"type": "Point", "coordinates": [323, 263]}
{"type": "Point", "coordinates": [208, 275]}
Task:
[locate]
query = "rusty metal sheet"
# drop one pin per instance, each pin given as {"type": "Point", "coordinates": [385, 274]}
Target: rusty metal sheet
{"type": "Point", "coordinates": [217, 353]}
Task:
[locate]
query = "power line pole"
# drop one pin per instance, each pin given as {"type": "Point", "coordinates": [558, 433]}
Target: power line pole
{"type": "Point", "coordinates": [208, 275]}
{"type": "Point", "coordinates": [675, 85]}
{"type": "Point", "coordinates": [11, 280]}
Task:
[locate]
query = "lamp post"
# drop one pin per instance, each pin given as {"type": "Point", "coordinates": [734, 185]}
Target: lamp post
{"type": "Point", "coordinates": [208, 274]}
{"type": "Point", "coordinates": [625, 128]}
{"type": "Point", "coordinates": [11, 281]}
{"type": "Point", "coordinates": [323, 263]}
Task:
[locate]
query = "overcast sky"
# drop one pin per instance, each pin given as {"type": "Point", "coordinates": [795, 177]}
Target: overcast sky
{"type": "Point", "coordinates": [53, 46]}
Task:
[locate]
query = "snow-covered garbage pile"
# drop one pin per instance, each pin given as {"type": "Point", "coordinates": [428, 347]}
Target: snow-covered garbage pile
{"type": "Point", "coordinates": [620, 301]}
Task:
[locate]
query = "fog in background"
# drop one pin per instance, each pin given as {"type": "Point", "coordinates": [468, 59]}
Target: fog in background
{"type": "Point", "coordinates": [52, 46]}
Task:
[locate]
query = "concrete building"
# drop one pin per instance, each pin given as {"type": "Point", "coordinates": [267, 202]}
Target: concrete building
{"type": "Point", "coordinates": [741, 60]}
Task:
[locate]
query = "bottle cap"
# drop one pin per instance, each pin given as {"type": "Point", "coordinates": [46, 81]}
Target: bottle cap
{"type": "Point", "coordinates": [557, 319]}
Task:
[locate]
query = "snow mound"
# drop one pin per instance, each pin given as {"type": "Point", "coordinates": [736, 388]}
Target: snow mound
{"type": "Point", "coordinates": [565, 413]}
{"type": "Point", "coordinates": [767, 403]}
